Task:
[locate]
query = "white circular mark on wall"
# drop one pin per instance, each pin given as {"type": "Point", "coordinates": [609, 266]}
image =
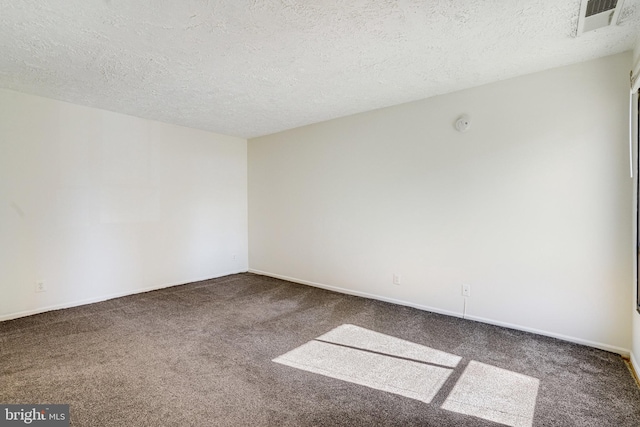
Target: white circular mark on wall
{"type": "Point", "coordinates": [463, 123]}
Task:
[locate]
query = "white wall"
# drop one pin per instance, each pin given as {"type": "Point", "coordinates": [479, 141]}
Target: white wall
{"type": "Point", "coordinates": [99, 204]}
{"type": "Point", "coordinates": [635, 340]}
{"type": "Point", "coordinates": [636, 50]}
{"type": "Point", "coordinates": [530, 207]}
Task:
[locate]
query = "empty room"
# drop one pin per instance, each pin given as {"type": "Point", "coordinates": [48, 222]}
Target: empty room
{"type": "Point", "coordinates": [330, 213]}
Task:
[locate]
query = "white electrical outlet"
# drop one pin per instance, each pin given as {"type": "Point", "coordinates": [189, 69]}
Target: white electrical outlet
{"type": "Point", "coordinates": [236, 261]}
{"type": "Point", "coordinates": [397, 278]}
{"type": "Point", "coordinates": [466, 290]}
{"type": "Point", "coordinates": [40, 286]}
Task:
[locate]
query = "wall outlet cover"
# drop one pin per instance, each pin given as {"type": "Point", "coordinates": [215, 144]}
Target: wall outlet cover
{"type": "Point", "coordinates": [466, 290]}
{"type": "Point", "coordinates": [397, 278]}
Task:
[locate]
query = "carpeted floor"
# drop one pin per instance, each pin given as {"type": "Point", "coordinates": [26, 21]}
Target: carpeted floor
{"type": "Point", "coordinates": [203, 354]}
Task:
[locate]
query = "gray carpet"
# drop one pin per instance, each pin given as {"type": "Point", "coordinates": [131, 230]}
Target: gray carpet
{"type": "Point", "coordinates": [202, 354]}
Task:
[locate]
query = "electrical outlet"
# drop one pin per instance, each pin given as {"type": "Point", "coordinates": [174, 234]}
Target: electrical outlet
{"type": "Point", "coordinates": [40, 286]}
{"type": "Point", "coordinates": [237, 263]}
{"type": "Point", "coordinates": [397, 278]}
{"type": "Point", "coordinates": [466, 290]}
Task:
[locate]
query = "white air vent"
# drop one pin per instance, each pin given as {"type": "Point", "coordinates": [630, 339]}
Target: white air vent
{"type": "Point", "coordinates": [596, 14]}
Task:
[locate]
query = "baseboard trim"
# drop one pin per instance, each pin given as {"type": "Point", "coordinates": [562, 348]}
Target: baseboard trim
{"type": "Point", "coordinates": [613, 349]}
{"type": "Point", "coordinates": [101, 298]}
{"type": "Point", "coordinates": [635, 368]}
{"type": "Point", "coordinates": [358, 293]}
{"type": "Point", "coordinates": [610, 348]}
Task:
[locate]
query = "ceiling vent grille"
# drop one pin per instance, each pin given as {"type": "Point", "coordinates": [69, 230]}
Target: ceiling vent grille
{"type": "Point", "coordinates": [598, 6]}
{"type": "Point", "coordinates": [596, 14]}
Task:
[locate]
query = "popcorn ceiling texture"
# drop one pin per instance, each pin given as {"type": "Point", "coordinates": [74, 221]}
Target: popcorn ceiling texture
{"type": "Point", "coordinates": [250, 68]}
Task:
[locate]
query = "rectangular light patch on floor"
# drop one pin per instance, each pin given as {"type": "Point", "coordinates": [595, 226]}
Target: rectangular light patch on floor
{"type": "Point", "coordinates": [374, 360]}
{"type": "Point", "coordinates": [365, 339]}
{"type": "Point", "coordinates": [494, 394]}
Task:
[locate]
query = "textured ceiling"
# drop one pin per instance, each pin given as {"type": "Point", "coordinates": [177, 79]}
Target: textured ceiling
{"type": "Point", "coordinates": [249, 68]}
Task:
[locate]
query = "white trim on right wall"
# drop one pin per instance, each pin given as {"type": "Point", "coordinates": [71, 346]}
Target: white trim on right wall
{"type": "Point", "coordinates": [635, 367]}
{"type": "Point", "coordinates": [635, 76]}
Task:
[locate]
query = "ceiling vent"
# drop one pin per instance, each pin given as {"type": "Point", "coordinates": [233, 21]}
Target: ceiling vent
{"type": "Point", "coordinates": [596, 14]}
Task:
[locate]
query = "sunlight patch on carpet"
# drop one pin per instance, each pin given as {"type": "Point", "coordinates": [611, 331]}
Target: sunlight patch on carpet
{"type": "Point", "coordinates": [375, 360]}
{"type": "Point", "coordinates": [365, 339]}
{"type": "Point", "coordinates": [399, 376]}
{"type": "Point", "coordinates": [494, 394]}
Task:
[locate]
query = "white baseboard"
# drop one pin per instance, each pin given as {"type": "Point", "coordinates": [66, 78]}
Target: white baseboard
{"type": "Point", "coordinates": [613, 349]}
{"type": "Point", "coordinates": [101, 298]}
{"type": "Point", "coordinates": [357, 293]}
{"type": "Point", "coordinates": [635, 366]}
